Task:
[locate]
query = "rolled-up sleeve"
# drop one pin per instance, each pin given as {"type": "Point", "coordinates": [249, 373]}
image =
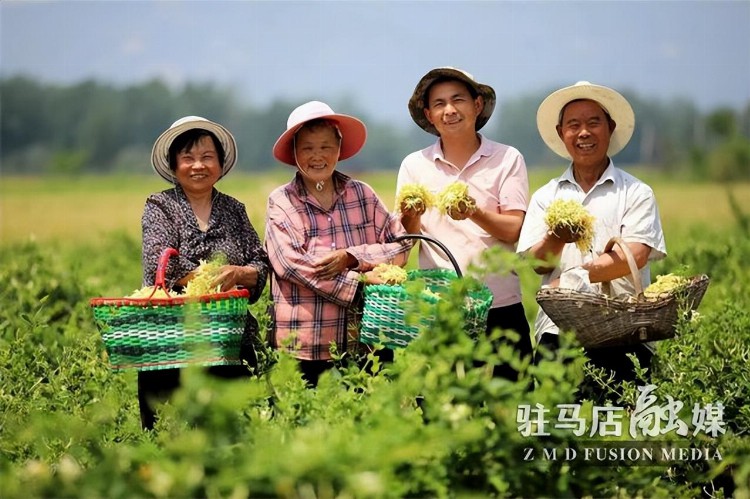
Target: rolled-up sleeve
{"type": "Point", "coordinates": [534, 228]}
{"type": "Point", "coordinates": [641, 222]}
{"type": "Point", "coordinates": [514, 190]}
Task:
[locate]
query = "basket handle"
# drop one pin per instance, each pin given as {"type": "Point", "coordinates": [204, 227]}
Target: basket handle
{"type": "Point", "coordinates": [438, 243]}
{"type": "Point", "coordinates": [635, 275]}
{"type": "Point", "coordinates": [161, 269]}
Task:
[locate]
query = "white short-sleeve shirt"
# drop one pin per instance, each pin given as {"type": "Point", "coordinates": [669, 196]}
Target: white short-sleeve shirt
{"type": "Point", "coordinates": [497, 180]}
{"type": "Point", "coordinates": [622, 206]}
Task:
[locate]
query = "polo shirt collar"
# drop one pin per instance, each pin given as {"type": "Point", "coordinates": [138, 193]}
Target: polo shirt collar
{"type": "Point", "coordinates": [485, 149]}
{"type": "Point", "coordinates": [609, 174]}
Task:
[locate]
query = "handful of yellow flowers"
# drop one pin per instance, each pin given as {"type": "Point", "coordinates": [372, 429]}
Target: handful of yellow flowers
{"type": "Point", "coordinates": [390, 274]}
{"type": "Point", "coordinates": [456, 197]}
{"type": "Point", "coordinates": [200, 284]}
{"type": "Point", "coordinates": [569, 217]}
{"type": "Point", "coordinates": [415, 197]}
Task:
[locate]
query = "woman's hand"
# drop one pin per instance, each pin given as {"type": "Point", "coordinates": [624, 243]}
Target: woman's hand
{"type": "Point", "coordinates": [372, 277]}
{"type": "Point", "coordinates": [230, 276]}
{"type": "Point", "coordinates": [334, 264]}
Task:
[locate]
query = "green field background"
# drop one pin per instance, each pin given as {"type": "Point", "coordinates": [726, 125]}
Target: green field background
{"type": "Point", "coordinates": [87, 208]}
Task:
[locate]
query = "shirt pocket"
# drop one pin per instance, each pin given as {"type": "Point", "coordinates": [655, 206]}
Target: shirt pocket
{"type": "Point", "coordinates": [358, 233]}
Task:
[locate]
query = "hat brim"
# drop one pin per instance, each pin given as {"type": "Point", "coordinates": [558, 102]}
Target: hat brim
{"type": "Point", "coordinates": [416, 102]}
{"type": "Point", "coordinates": [160, 151]}
{"type": "Point", "coordinates": [616, 105]}
{"type": "Point", "coordinates": [353, 138]}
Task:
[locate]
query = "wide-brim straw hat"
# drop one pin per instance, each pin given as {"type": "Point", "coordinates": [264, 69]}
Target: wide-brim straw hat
{"type": "Point", "coordinates": [160, 151]}
{"type": "Point", "coordinates": [618, 108]}
{"type": "Point", "coordinates": [416, 102]}
{"type": "Point", "coordinates": [353, 131]}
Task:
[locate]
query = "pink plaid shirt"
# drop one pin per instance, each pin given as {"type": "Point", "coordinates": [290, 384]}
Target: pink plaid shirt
{"type": "Point", "coordinates": [298, 233]}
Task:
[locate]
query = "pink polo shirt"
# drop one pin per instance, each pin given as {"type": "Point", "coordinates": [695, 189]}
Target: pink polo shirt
{"type": "Point", "coordinates": [497, 179]}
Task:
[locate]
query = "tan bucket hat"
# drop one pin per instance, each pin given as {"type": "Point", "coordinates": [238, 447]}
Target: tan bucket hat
{"type": "Point", "coordinates": [160, 151]}
{"type": "Point", "coordinates": [618, 108]}
{"type": "Point", "coordinates": [353, 131]}
{"type": "Point", "coordinates": [416, 102]}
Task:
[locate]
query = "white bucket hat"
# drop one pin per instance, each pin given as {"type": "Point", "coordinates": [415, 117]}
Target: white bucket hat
{"type": "Point", "coordinates": [353, 131]}
{"type": "Point", "coordinates": [416, 102]}
{"type": "Point", "coordinates": [160, 151]}
{"type": "Point", "coordinates": [618, 108]}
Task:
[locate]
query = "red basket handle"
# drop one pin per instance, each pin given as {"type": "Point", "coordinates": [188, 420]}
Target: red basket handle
{"type": "Point", "coordinates": [161, 270]}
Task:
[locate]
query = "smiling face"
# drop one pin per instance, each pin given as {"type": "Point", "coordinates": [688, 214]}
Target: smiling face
{"type": "Point", "coordinates": [586, 129]}
{"type": "Point", "coordinates": [198, 166]}
{"type": "Point", "coordinates": [452, 109]}
{"type": "Point", "coordinates": [317, 147]}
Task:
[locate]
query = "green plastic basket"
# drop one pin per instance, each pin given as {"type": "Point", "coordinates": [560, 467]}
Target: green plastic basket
{"type": "Point", "coordinates": [384, 316]}
{"type": "Point", "coordinates": [165, 333]}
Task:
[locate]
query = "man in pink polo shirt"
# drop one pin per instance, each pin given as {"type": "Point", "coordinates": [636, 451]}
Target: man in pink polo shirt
{"type": "Point", "coordinates": [449, 103]}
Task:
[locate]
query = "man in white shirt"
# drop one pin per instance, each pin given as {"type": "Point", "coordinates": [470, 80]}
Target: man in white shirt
{"type": "Point", "coordinates": [589, 124]}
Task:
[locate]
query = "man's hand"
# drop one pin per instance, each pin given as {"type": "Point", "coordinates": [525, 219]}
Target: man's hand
{"type": "Point", "coordinates": [466, 209]}
{"type": "Point", "coordinates": [334, 264]}
{"type": "Point", "coordinates": [411, 218]}
{"type": "Point", "coordinates": [415, 211]}
{"type": "Point", "coordinates": [567, 234]}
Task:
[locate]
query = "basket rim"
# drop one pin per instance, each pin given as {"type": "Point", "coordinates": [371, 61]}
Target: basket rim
{"type": "Point", "coordinates": [178, 300]}
{"type": "Point", "coordinates": [416, 274]}
{"type": "Point", "coordinates": [552, 293]}
{"type": "Point", "coordinates": [435, 271]}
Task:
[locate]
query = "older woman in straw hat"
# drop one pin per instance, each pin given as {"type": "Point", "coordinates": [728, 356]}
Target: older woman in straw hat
{"type": "Point", "coordinates": [325, 232]}
{"type": "Point", "coordinates": [200, 223]}
{"type": "Point", "coordinates": [588, 124]}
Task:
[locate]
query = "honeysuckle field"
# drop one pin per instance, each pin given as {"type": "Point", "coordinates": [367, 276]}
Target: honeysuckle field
{"type": "Point", "coordinates": [433, 423]}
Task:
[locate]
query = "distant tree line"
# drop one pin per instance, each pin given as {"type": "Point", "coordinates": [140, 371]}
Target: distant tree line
{"type": "Point", "coordinates": [97, 127]}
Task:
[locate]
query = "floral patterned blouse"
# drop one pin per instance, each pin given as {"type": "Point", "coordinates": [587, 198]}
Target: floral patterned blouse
{"type": "Point", "coordinates": [168, 221]}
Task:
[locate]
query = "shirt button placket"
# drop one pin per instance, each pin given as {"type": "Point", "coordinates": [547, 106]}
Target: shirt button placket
{"type": "Point", "coordinates": [333, 243]}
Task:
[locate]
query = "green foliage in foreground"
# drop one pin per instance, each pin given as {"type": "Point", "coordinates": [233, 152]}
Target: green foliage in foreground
{"type": "Point", "coordinates": [69, 427]}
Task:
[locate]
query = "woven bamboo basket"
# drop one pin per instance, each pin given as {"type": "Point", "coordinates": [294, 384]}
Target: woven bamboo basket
{"type": "Point", "coordinates": [599, 320]}
{"type": "Point", "coordinates": [164, 333]}
{"type": "Point", "coordinates": [385, 316]}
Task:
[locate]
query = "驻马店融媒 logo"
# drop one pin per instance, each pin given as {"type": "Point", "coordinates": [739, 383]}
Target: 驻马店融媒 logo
{"type": "Point", "coordinates": [648, 419]}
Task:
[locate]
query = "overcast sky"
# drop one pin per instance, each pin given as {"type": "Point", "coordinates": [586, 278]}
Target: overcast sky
{"type": "Point", "coordinates": [376, 51]}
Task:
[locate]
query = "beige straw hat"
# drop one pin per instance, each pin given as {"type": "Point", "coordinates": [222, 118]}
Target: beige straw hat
{"type": "Point", "coordinates": [618, 108]}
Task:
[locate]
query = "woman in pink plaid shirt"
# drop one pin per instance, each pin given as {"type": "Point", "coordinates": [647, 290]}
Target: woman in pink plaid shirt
{"type": "Point", "coordinates": [325, 232]}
